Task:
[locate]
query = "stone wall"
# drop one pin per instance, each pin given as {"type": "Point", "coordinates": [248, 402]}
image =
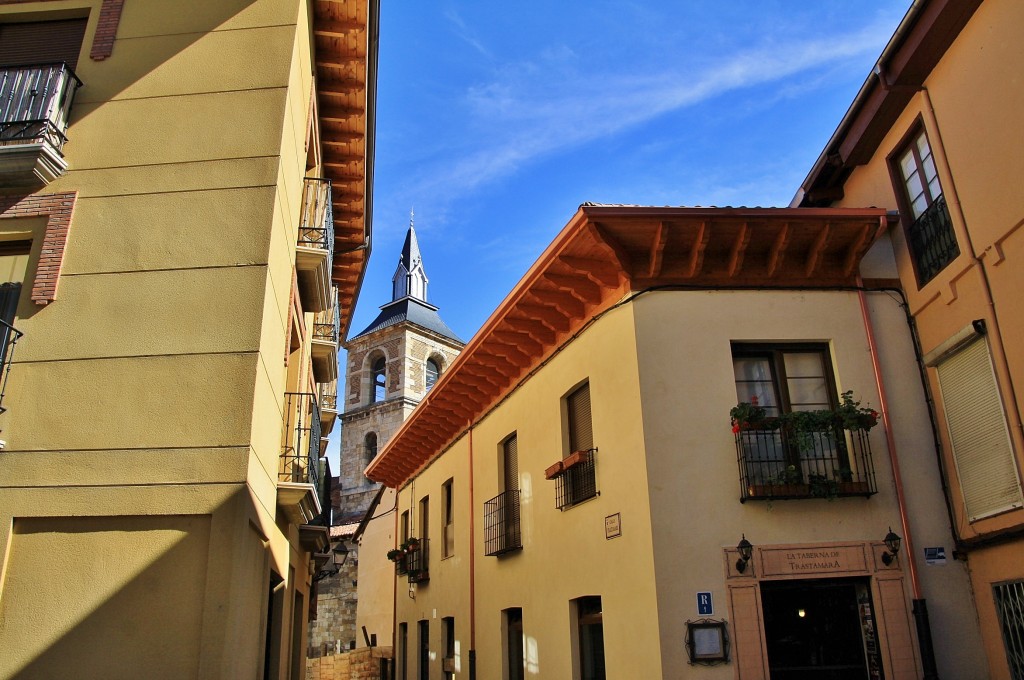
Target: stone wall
{"type": "Point", "coordinates": [334, 629]}
{"type": "Point", "coordinates": [358, 664]}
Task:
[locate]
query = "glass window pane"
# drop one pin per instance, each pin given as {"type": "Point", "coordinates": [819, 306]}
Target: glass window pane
{"type": "Point", "coordinates": [803, 365]}
{"type": "Point", "coordinates": [908, 166]}
{"type": "Point", "coordinates": [922, 145]}
{"type": "Point", "coordinates": [751, 368]}
{"type": "Point", "coordinates": [930, 172]}
{"type": "Point", "coordinates": [808, 394]}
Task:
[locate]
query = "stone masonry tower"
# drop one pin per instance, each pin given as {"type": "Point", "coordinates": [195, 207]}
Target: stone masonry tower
{"type": "Point", "coordinates": [391, 366]}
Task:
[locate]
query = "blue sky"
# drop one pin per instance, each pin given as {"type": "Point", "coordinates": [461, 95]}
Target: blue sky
{"type": "Point", "coordinates": [496, 120]}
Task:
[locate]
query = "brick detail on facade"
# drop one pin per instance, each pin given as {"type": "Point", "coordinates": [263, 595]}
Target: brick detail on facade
{"type": "Point", "coordinates": [106, 29]}
{"type": "Point", "coordinates": [58, 209]}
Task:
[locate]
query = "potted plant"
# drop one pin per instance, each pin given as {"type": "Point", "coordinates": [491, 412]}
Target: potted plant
{"type": "Point", "coordinates": [395, 554]}
{"type": "Point", "coordinates": [411, 544]}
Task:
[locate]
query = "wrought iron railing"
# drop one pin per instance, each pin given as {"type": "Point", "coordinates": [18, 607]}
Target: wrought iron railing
{"type": "Point", "coordinates": [417, 562]}
{"type": "Point", "coordinates": [300, 457]}
{"type": "Point", "coordinates": [9, 336]}
{"type": "Point", "coordinates": [577, 481]}
{"type": "Point", "coordinates": [790, 463]}
{"type": "Point", "coordinates": [932, 241]}
{"type": "Point", "coordinates": [316, 224]}
{"type": "Point", "coordinates": [35, 102]}
{"type": "Point", "coordinates": [501, 523]}
{"type": "Point", "coordinates": [327, 324]}
{"type": "Point", "coordinates": [329, 396]}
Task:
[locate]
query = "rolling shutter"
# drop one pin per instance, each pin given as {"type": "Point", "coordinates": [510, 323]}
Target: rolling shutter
{"type": "Point", "coordinates": [978, 432]}
{"type": "Point", "coordinates": [511, 463]}
{"type": "Point", "coordinates": [42, 42]}
{"type": "Point", "coordinates": [581, 435]}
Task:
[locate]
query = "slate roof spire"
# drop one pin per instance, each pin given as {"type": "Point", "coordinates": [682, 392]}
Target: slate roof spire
{"type": "Point", "coordinates": [410, 280]}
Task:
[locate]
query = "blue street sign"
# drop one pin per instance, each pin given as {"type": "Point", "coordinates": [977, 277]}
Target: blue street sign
{"type": "Point", "coordinates": [704, 606]}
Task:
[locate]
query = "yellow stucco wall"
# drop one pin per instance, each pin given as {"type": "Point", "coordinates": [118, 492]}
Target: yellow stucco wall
{"type": "Point", "coordinates": [968, 109]}
{"type": "Point", "coordinates": [565, 554]}
{"type": "Point", "coordinates": [148, 396]}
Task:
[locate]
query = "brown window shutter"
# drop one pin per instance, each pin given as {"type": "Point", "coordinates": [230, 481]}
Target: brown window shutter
{"type": "Point", "coordinates": [511, 463]}
{"type": "Point", "coordinates": [581, 435]}
{"type": "Point", "coordinates": [42, 42]}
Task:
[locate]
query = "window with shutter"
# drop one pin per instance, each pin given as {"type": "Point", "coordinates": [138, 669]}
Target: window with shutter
{"type": "Point", "coordinates": [510, 463]}
{"type": "Point", "coordinates": [978, 432]}
{"type": "Point", "coordinates": [581, 435]}
{"type": "Point", "coordinates": [42, 42]}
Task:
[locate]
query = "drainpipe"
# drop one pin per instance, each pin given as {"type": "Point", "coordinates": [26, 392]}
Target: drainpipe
{"type": "Point", "coordinates": [472, 567]}
{"type": "Point", "coordinates": [920, 606]}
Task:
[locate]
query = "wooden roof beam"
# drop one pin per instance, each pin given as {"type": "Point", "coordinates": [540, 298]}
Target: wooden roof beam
{"type": "Point", "coordinates": [856, 249]}
{"type": "Point", "coordinates": [511, 352]}
{"type": "Point", "coordinates": [480, 379]}
{"type": "Point", "coordinates": [562, 300]}
{"type": "Point", "coordinates": [581, 288]}
{"type": "Point", "coordinates": [519, 341]}
{"type": "Point", "coordinates": [492, 362]}
{"type": "Point", "coordinates": [598, 271]}
{"type": "Point", "coordinates": [817, 249]}
{"type": "Point", "coordinates": [547, 316]}
{"type": "Point", "coordinates": [739, 247]}
{"type": "Point", "coordinates": [778, 251]}
{"type": "Point", "coordinates": [657, 250]}
{"type": "Point", "coordinates": [606, 242]}
{"type": "Point", "coordinates": [533, 328]}
{"type": "Point", "coordinates": [700, 244]}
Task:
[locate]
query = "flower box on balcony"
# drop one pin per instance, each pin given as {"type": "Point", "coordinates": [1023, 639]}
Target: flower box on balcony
{"type": "Point", "coordinates": [576, 458]}
{"type": "Point", "coordinates": [776, 490]}
{"type": "Point", "coordinates": [854, 489]}
{"type": "Point", "coordinates": [554, 470]}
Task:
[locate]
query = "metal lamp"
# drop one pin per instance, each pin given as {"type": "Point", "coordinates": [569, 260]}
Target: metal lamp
{"type": "Point", "coordinates": [746, 549]}
{"type": "Point", "coordinates": [892, 545]}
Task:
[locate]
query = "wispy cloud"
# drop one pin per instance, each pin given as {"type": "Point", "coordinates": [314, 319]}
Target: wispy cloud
{"type": "Point", "coordinates": [539, 108]}
{"type": "Point", "coordinates": [463, 31]}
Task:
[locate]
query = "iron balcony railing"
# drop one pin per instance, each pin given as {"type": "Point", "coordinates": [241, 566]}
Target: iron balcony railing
{"type": "Point", "coordinates": [9, 336]}
{"type": "Point", "coordinates": [501, 523]}
{"type": "Point", "coordinates": [35, 102]}
{"type": "Point", "coordinates": [316, 224]}
{"type": "Point", "coordinates": [329, 396]}
{"type": "Point", "coordinates": [787, 463]}
{"type": "Point", "coordinates": [300, 457]}
{"type": "Point", "coordinates": [417, 562]}
{"type": "Point", "coordinates": [932, 241]}
{"type": "Point", "coordinates": [577, 482]}
{"type": "Point", "coordinates": [327, 324]}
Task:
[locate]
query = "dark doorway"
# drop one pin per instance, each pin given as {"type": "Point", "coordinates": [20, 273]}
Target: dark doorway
{"type": "Point", "coordinates": [820, 629]}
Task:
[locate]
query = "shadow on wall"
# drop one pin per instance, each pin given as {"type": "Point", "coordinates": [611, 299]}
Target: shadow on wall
{"type": "Point", "coordinates": [124, 597]}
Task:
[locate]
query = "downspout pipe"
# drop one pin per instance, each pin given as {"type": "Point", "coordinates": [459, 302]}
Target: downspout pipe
{"type": "Point", "coordinates": [472, 567]}
{"type": "Point", "coordinates": [920, 606]}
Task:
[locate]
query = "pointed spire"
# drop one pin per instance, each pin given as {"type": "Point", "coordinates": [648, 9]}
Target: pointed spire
{"type": "Point", "coordinates": [410, 279]}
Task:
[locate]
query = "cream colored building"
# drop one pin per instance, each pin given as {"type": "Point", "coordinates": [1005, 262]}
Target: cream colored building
{"type": "Point", "coordinates": [580, 491]}
{"type": "Point", "coordinates": [184, 225]}
{"type": "Point", "coordinates": [935, 134]}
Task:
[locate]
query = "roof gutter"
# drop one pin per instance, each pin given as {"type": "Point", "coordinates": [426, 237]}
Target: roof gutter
{"type": "Point", "coordinates": [870, 83]}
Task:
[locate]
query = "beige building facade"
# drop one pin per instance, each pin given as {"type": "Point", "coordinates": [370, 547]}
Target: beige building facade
{"type": "Point", "coordinates": [595, 492]}
{"type": "Point", "coordinates": [934, 134]}
{"type": "Point", "coordinates": [184, 225]}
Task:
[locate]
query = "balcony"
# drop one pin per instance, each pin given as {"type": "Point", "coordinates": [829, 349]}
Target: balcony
{"type": "Point", "coordinates": [35, 103]}
{"type": "Point", "coordinates": [932, 241]}
{"type": "Point", "coordinates": [328, 400]}
{"type": "Point", "coordinates": [828, 461]}
{"type": "Point", "coordinates": [575, 478]}
{"type": "Point", "coordinates": [326, 329]}
{"type": "Point", "coordinates": [315, 247]}
{"type": "Point", "coordinates": [299, 484]}
{"type": "Point", "coordinates": [8, 339]}
{"type": "Point", "coordinates": [417, 562]}
{"type": "Point", "coordinates": [501, 524]}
